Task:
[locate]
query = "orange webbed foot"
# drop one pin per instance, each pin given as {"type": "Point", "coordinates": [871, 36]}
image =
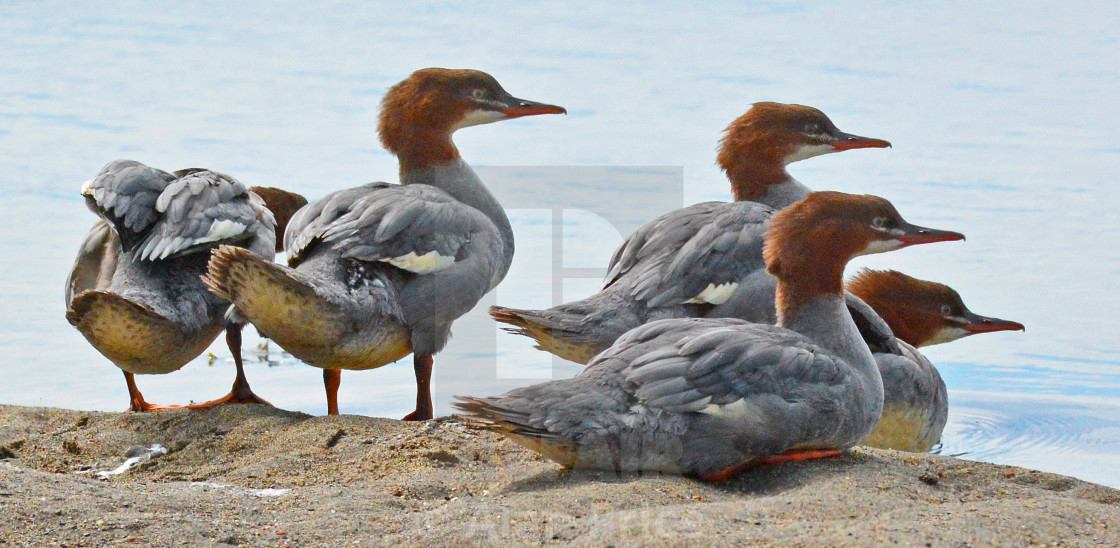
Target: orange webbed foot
{"type": "Point", "coordinates": [789, 456]}
{"type": "Point", "coordinates": [231, 398]}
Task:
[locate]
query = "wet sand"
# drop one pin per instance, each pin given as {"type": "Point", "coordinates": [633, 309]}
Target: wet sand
{"type": "Point", "coordinates": [357, 480]}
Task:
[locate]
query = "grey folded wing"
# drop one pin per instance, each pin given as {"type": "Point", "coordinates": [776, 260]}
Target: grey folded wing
{"type": "Point", "coordinates": [124, 193]}
{"type": "Point", "coordinates": [909, 378]}
{"type": "Point", "coordinates": [159, 215]}
{"type": "Point", "coordinates": [695, 364]}
{"type": "Point", "coordinates": [693, 255]}
{"type": "Point", "coordinates": [417, 228]}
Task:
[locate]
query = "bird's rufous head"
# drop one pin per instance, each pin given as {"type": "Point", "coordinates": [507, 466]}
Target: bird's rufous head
{"type": "Point", "coordinates": [419, 114]}
{"type": "Point", "coordinates": [921, 312]}
{"type": "Point", "coordinates": [809, 243]}
{"type": "Point", "coordinates": [758, 145]}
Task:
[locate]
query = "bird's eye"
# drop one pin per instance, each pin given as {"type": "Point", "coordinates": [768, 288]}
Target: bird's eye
{"type": "Point", "coordinates": [946, 310]}
{"type": "Point", "coordinates": [478, 93]}
{"type": "Point", "coordinates": [879, 222]}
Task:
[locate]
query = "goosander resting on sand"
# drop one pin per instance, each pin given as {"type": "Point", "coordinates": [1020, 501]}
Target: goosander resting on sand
{"type": "Point", "coordinates": [711, 397]}
{"type": "Point", "coordinates": [920, 313]}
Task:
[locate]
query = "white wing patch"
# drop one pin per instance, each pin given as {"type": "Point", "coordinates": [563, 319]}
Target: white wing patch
{"type": "Point", "coordinates": [427, 263]}
{"type": "Point", "coordinates": [221, 230]}
{"type": "Point", "coordinates": [736, 410]}
{"type": "Point", "coordinates": [715, 294]}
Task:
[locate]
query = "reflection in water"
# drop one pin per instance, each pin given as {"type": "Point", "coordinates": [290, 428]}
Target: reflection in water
{"type": "Point", "coordinates": [997, 119]}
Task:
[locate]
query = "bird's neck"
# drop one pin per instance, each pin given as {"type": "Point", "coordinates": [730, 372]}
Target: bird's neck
{"type": "Point", "coordinates": [784, 194]}
{"type": "Point", "coordinates": [766, 182]}
{"type": "Point", "coordinates": [457, 178]}
{"type": "Point", "coordinates": [823, 317]}
{"type": "Point", "coordinates": [420, 148]}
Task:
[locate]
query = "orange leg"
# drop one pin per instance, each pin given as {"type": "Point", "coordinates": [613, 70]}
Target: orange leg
{"type": "Point", "coordinates": [241, 393]}
{"type": "Point", "coordinates": [136, 399]}
{"type": "Point", "coordinates": [331, 379]}
{"type": "Point", "coordinates": [422, 365]}
{"type": "Point", "coordinates": [789, 456]}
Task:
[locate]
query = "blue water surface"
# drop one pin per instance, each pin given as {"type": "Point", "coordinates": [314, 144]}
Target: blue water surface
{"type": "Point", "coordinates": [1002, 115]}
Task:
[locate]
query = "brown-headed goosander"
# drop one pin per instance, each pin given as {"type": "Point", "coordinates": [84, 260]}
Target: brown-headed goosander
{"type": "Point", "coordinates": [704, 260]}
{"type": "Point", "coordinates": [711, 397]}
{"type": "Point", "coordinates": [381, 271]}
{"type": "Point", "coordinates": [920, 313]}
{"type": "Point", "coordinates": [135, 291]}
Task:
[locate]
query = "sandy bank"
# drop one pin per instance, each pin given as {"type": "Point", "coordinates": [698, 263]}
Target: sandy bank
{"type": "Point", "coordinates": [362, 480]}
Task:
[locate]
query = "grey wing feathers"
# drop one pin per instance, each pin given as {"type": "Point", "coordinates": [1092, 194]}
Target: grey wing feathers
{"type": "Point", "coordinates": [687, 367]}
{"type": "Point", "coordinates": [309, 223]}
{"type": "Point", "coordinates": [402, 225]}
{"type": "Point", "coordinates": [909, 378]}
{"type": "Point", "coordinates": [874, 330]}
{"type": "Point", "coordinates": [124, 193]}
{"type": "Point", "coordinates": [161, 215]}
{"type": "Point", "coordinates": [200, 209]}
{"type": "Point", "coordinates": [678, 256]}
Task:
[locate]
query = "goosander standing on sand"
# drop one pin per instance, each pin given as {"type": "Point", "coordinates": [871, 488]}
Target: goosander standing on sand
{"type": "Point", "coordinates": [382, 270]}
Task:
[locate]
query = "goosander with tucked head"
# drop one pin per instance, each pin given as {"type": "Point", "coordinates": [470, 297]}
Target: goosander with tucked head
{"type": "Point", "coordinates": [704, 260]}
{"type": "Point", "coordinates": [135, 291]}
{"type": "Point", "coordinates": [711, 397]}
{"type": "Point", "coordinates": [382, 270]}
{"type": "Point", "coordinates": [920, 313]}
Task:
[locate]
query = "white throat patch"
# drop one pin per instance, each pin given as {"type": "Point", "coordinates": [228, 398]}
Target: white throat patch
{"type": "Point", "coordinates": [882, 246]}
{"type": "Point", "coordinates": [946, 334]}
{"type": "Point", "coordinates": [807, 151]}
{"type": "Point", "coordinates": [478, 117]}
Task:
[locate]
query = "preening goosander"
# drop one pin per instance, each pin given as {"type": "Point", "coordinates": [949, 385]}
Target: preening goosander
{"type": "Point", "coordinates": [135, 291]}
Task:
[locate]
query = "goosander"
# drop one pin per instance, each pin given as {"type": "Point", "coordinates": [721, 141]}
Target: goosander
{"type": "Point", "coordinates": [382, 270]}
{"type": "Point", "coordinates": [920, 313]}
{"type": "Point", "coordinates": [711, 397]}
{"type": "Point", "coordinates": [704, 260]}
{"type": "Point", "coordinates": [135, 291]}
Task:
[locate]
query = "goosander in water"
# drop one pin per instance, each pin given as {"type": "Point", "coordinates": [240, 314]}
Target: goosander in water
{"type": "Point", "coordinates": [920, 313]}
{"type": "Point", "coordinates": [382, 270]}
{"type": "Point", "coordinates": [704, 260]}
{"type": "Point", "coordinates": [711, 397]}
{"type": "Point", "coordinates": [135, 291]}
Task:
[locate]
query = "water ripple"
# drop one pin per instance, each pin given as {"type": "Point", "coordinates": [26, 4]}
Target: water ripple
{"type": "Point", "coordinates": [985, 434]}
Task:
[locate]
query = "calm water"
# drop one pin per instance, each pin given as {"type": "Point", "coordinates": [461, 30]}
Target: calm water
{"type": "Point", "coordinates": [1003, 121]}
